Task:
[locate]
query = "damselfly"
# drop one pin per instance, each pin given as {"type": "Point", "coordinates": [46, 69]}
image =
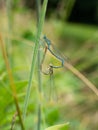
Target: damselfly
{"type": "Point", "coordinates": [49, 46]}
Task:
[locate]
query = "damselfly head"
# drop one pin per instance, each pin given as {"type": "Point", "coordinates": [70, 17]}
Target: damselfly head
{"type": "Point", "coordinates": [44, 37]}
{"type": "Point", "coordinates": [48, 42]}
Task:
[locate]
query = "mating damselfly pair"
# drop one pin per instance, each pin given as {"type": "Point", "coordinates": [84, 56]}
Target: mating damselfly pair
{"type": "Point", "coordinates": [48, 46]}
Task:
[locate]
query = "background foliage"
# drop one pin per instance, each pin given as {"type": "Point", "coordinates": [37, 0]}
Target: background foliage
{"type": "Point", "coordinates": [76, 103]}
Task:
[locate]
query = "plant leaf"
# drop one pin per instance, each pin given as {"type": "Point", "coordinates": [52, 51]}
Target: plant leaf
{"type": "Point", "coordinates": [59, 127]}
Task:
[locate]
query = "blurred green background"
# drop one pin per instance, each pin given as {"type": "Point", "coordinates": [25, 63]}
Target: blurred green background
{"type": "Point", "coordinates": [72, 26]}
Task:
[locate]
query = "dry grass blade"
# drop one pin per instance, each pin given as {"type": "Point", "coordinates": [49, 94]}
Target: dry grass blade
{"type": "Point", "coordinates": [81, 77]}
{"type": "Point", "coordinates": [12, 84]}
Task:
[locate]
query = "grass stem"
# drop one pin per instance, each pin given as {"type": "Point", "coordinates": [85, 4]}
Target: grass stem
{"type": "Point", "coordinates": [37, 40]}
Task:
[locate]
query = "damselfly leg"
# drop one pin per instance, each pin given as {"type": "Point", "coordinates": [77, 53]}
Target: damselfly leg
{"type": "Point", "coordinates": [53, 91]}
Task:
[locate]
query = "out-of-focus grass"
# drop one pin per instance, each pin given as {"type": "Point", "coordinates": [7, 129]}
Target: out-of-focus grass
{"type": "Point", "coordinates": [79, 32]}
{"type": "Point", "coordinates": [76, 103]}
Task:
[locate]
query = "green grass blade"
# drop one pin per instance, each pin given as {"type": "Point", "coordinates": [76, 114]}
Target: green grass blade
{"type": "Point", "coordinates": [39, 31]}
{"type": "Point", "coordinates": [59, 127]}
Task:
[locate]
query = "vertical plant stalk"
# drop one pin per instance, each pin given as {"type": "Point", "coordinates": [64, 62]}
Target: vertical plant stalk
{"type": "Point", "coordinates": [38, 8]}
{"type": "Point", "coordinates": [37, 40]}
{"type": "Point", "coordinates": [12, 84]}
